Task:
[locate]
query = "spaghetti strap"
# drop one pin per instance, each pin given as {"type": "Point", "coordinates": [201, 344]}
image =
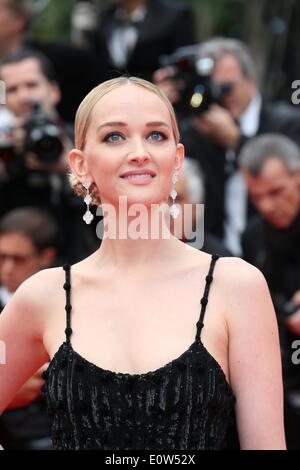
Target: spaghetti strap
{"type": "Point", "coordinates": [68, 307]}
{"type": "Point", "coordinates": [204, 300]}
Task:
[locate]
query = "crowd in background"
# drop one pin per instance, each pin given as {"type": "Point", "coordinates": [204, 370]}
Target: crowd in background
{"type": "Point", "coordinates": [243, 159]}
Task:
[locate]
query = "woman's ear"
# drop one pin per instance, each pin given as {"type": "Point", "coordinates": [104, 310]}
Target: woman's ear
{"type": "Point", "coordinates": [179, 157]}
{"type": "Point", "coordinates": [78, 164]}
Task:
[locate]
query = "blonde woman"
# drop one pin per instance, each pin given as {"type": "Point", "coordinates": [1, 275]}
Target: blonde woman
{"type": "Point", "coordinates": [152, 343]}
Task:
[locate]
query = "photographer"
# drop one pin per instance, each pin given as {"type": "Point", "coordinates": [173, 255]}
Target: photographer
{"type": "Point", "coordinates": [232, 111]}
{"type": "Point", "coordinates": [39, 143]}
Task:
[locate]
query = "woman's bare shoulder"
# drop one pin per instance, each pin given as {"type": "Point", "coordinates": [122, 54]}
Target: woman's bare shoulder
{"type": "Point", "coordinates": [28, 311]}
{"type": "Point", "coordinates": [239, 273]}
{"type": "Point", "coordinates": [42, 288]}
{"type": "Point", "coordinates": [229, 270]}
{"type": "Point", "coordinates": [244, 290]}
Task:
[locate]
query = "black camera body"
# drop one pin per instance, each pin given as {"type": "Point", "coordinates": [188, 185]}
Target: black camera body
{"type": "Point", "coordinates": [43, 136]}
{"type": "Point", "coordinates": [194, 78]}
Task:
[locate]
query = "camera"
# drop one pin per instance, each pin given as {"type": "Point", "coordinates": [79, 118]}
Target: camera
{"type": "Point", "coordinates": [194, 78]}
{"type": "Point", "coordinates": [43, 136]}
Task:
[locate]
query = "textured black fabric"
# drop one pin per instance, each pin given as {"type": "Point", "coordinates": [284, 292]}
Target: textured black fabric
{"type": "Point", "coordinates": [186, 404]}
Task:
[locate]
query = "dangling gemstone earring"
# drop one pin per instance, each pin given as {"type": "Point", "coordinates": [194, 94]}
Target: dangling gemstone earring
{"type": "Point", "coordinates": [174, 210]}
{"type": "Point", "coordinates": [88, 216]}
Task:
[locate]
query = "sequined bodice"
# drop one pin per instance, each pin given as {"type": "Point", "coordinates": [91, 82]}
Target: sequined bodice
{"type": "Point", "coordinates": [186, 404]}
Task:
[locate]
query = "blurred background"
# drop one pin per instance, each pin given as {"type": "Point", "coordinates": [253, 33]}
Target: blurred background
{"type": "Point", "coordinates": [269, 27]}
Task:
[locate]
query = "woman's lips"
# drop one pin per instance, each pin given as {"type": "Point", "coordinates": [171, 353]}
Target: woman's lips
{"type": "Point", "coordinates": [138, 178]}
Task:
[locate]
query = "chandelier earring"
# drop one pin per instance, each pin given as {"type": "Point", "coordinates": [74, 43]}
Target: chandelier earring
{"type": "Point", "coordinates": [88, 216]}
{"type": "Point", "coordinates": [174, 209]}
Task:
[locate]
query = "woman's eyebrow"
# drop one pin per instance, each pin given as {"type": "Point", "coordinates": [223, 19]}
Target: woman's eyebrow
{"type": "Point", "coordinates": [123, 124]}
{"type": "Point", "coordinates": [156, 124]}
{"type": "Point", "coordinates": [112, 124]}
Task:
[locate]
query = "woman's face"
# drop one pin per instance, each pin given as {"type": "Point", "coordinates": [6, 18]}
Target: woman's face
{"type": "Point", "coordinates": [131, 131]}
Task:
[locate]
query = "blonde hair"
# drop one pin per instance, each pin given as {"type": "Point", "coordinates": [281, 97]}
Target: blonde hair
{"type": "Point", "coordinates": [83, 120]}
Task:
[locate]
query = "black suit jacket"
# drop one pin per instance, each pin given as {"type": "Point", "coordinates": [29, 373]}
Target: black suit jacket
{"type": "Point", "coordinates": [275, 117]}
{"type": "Point", "coordinates": [166, 26]}
{"type": "Point", "coordinates": [282, 118]}
{"type": "Point", "coordinates": [253, 242]}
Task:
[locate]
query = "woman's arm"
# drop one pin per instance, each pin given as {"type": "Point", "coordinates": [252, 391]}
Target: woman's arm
{"type": "Point", "coordinates": [30, 391]}
{"type": "Point", "coordinates": [254, 358]}
{"type": "Point", "coordinates": [21, 334]}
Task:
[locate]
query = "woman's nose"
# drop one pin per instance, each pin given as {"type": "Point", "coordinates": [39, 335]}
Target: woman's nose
{"type": "Point", "coordinates": [138, 152]}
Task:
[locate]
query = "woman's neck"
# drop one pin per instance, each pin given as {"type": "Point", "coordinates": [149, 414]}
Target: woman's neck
{"type": "Point", "coordinates": [136, 241]}
{"type": "Point", "coordinates": [125, 254]}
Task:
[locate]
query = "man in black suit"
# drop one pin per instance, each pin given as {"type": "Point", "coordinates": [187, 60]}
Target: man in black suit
{"type": "Point", "coordinates": [270, 165]}
{"type": "Point", "coordinates": [214, 137]}
{"type": "Point", "coordinates": [131, 35]}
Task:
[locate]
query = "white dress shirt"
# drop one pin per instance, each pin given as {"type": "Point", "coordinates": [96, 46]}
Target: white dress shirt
{"type": "Point", "coordinates": [235, 188]}
{"type": "Point", "coordinates": [124, 37]}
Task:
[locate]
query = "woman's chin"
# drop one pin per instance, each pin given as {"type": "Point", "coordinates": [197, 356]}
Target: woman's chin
{"type": "Point", "coordinates": [127, 201]}
{"type": "Point", "coordinates": [145, 200]}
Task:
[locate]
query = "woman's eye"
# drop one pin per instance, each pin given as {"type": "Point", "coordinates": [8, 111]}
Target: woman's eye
{"type": "Point", "coordinates": [157, 136]}
{"type": "Point", "coordinates": [113, 137]}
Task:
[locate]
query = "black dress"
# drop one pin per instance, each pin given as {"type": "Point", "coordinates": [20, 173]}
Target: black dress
{"type": "Point", "coordinates": [186, 404]}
